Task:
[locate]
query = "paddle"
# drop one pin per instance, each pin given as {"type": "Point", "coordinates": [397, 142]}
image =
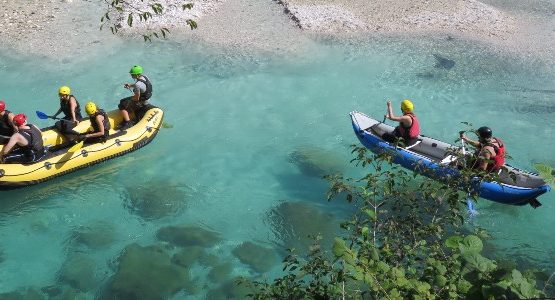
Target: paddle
{"type": "Point", "coordinates": [469, 201]}
{"type": "Point", "coordinates": [76, 147]}
{"type": "Point", "coordinates": [44, 116]}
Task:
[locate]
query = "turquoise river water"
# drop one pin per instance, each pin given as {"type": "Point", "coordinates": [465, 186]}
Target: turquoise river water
{"type": "Point", "coordinates": [252, 136]}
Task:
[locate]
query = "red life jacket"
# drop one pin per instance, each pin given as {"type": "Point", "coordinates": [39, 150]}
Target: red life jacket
{"type": "Point", "coordinates": [411, 132]}
{"type": "Point", "coordinates": [499, 159]}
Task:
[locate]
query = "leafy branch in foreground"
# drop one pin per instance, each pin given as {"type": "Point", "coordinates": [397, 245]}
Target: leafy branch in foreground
{"type": "Point", "coordinates": [405, 241]}
{"type": "Point", "coordinates": [119, 12]}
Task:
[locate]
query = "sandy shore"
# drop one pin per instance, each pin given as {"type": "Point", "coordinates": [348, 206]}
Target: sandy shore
{"type": "Point", "coordinates": [70, 28]}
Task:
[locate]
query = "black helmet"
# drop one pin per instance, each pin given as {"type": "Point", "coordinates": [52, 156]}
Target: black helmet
{"type": "Point", "coordinates": [484, 132]}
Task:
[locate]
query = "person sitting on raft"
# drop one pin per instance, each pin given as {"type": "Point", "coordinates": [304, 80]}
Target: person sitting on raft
{"type": "Point", "coordinates": [7, 127]}
{"type": "Point", "coordinates": [71, 109]}
{"type": "Point", "coordinates": [29, 140]}
{"type": "Point", "coordinates": [409, 127]}
{"type": "Point", "coordinates": [490, 151]}
{"type": "Point", "coordinates": [142, 91]}
{"type": "Point", "coordinates": [99, 122]}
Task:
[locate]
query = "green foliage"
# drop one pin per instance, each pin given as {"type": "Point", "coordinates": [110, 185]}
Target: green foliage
{"type": "Point", "coordinates": [119, 8]}
{"type": "Point", "coordinates": [405, 242]}
{"type": "Point", "coordinates": [547, 173]}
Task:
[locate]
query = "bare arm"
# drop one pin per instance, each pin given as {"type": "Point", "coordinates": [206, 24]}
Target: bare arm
{"type": "Point", "coordinates": [471, 142]}
{"type": "Point", "coordinates": [57, 113]}
{"type": "Point", "coordinates": [485, 156]}
{"type": "Point", "coordinates": [15, 139]}
{"type": "Point", "coordinates": [406, 120]}
{"type": "Point", "coordinates": [72, 107]}
{"type": "Point", "coordinates": [99, 121]}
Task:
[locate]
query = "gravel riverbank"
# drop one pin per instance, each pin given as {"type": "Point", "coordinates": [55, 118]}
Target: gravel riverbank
{"type": "Point", "coordinates": [70, 28]}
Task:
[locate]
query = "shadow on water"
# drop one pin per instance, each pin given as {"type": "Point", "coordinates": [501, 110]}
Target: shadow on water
{"type": "Point", "coordinates": [67, 187]}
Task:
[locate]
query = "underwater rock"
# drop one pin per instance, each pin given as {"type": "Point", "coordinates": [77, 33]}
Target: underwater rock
{"type": "Point", "coordinates": [259, 258]}
{"type": "Point", "coordinates": [188, 235]}
{"type": "Point", "coordinates": [443, 63]}
{"type": "Point", "coordinates": [230, 290]}
{"type": "Point", "coordinates": [79, 272]}
{"type": "Point", "coordinates": [317, 162]}
{"type": "Point", "coordinates": [209, 260]}
{"type": "Point", "coordinates": [188, 255]}
{"type": "Point", "coordinates": [154, 200]}
{"type": "Point", "coordinates": [22, 294]}
{"type": "Point", "coordinates": [95, 235]}
{"type": "Point", "coordinates": [220, 273]}
{"type": "Point", "coordinates": [146, 273]}
{"type": "Point", "coordinates": [294, 222]}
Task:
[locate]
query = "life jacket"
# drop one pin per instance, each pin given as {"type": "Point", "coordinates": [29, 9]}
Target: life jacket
{"type": "Point", "coordinates": [148, 93]}
{"type": "Point", "coordinates": [33, 137]}
{"type": "Point", "coordinates": [105, 123]}
{"type": "Point", "coordinates": [411, 132]}
{"type": "Point", "coordinates": [499, 158]}
{"type": "Point", "coordinates": [65, 107]}
{"type": "Point", "coordinates": [5, 127]}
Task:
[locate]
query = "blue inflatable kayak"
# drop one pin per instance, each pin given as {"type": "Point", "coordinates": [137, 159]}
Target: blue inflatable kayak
{"type": "Point", "coordinates": [432, 158]}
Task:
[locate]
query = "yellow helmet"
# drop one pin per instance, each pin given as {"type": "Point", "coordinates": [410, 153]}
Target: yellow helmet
{"type": "Point", "coordinates": [407, 106]}
{"type": "Point", "coordinates": [90, 108]}
{"type": "Point", "coordinates": [64, 90]}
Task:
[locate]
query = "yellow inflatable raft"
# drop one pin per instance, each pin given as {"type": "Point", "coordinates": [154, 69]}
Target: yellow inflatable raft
{"type": "Point", "coordinates": [58, 161]}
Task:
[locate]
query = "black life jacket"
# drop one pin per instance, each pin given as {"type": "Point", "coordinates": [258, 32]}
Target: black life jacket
{"type": "Point", "coordinates": [5, 127]}
{"type": "Point", "coordinates": [105, 123]}
{"type": "Point", "coordinates": [148, 93]}
{"type": "Point", "coordinates": [65, 107]}
{"type": "Point", "coordinates": [33, 137]}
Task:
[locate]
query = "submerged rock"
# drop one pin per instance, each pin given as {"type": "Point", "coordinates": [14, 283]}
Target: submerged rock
{"type": "Point", "coordinates": [220, 272]}
{"type": "Point", "coordinates": [22, 294]}
{"type": "Point", "coordinates": [230, 290]}
{"type": "Point", "coordinates": [259, 258]}
{"type": "Point", "coordinates": [188, 235]}
{"type": "Point", "coordinates": [443, 63]}
{"type": "Point", "coordinates": [154, 200]}
{"type": "Point", "coordinates": [146, 273]}
{"type": "Point", "coordinates": [294, 222]}
{"type": "Point", "coordinates": [79, 272]}
{"type": "Point", "coordinates": [316, 162]}
{"type": "Point", "coordinates": [209, 260]}
{"type": "Point", "coordinates": [188, 255]}
{"type": "Point", "coordinates": [95, 235]}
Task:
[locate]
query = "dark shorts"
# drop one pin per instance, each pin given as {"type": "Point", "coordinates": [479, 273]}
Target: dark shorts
{"type": "Point", "coordinates": [129, 105]}
{"type": "Point", "coordinates": [24, 156]}
{"type": "Point", "coordinates": [65, 126]}
{"type": "Point", "coordinates": [397, 137]}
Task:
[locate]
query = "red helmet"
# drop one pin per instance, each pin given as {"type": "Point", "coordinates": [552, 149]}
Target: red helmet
{"type": "Point", "coordinates": [2, 105]}
{"type": "Point", "coordinates": [19, 119]}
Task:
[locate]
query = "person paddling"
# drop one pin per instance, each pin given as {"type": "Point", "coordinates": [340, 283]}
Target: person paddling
{"type": "Point", "coordinates": [409, 127]}
{"type": "Point", "coordinates": [29, 142]}
{"type": "Point", "coordinates": [490, 150]}
{"type": "Point", "coordinates": [142, 91]}
{"type": "Point", "coordinates": [99, 122]}
{"type": "Point", "coordinates": [71, 109]}
{"type": "Point", "coordinates": [7, 127]}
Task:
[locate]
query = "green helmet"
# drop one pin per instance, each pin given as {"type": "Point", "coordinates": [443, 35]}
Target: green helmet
{"type": "Point", "coordinates": [136, 70]}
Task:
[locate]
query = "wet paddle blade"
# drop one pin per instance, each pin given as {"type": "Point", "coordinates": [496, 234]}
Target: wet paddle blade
{"type": "Point", "coordinates": [76, 147]}
{"type": "Point", "coordinates": [42, 115]}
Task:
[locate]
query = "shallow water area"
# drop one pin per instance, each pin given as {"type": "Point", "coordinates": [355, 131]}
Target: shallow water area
{"type": "Point", "coordinates": [250, 133]}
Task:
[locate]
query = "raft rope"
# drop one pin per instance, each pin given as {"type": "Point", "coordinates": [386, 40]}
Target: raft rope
{"type": "Point", "coordinates": [83, 152]}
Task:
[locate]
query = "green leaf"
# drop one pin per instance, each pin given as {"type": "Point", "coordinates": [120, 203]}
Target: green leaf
{"type": "Point", "coordinates": [472, 243]}
{"type": "Point", "coordinates": [130, 20]}
{"type": "Point", "coordinates": [453, 241]}
{"type": "Point", "coordinates": [364, 231]}
{"type": "Point", "coordinates": [339, 247]}
{"type": "Point", "coordinates": [371, 214]}
{"type": "Point", "coordinates": [547, 173]}
{"type": "Point", "coordinates": [478, 262]}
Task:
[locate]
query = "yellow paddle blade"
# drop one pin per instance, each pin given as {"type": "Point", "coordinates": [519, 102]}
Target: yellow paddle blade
{"type": "Point", "coordinates": [76, 147]}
